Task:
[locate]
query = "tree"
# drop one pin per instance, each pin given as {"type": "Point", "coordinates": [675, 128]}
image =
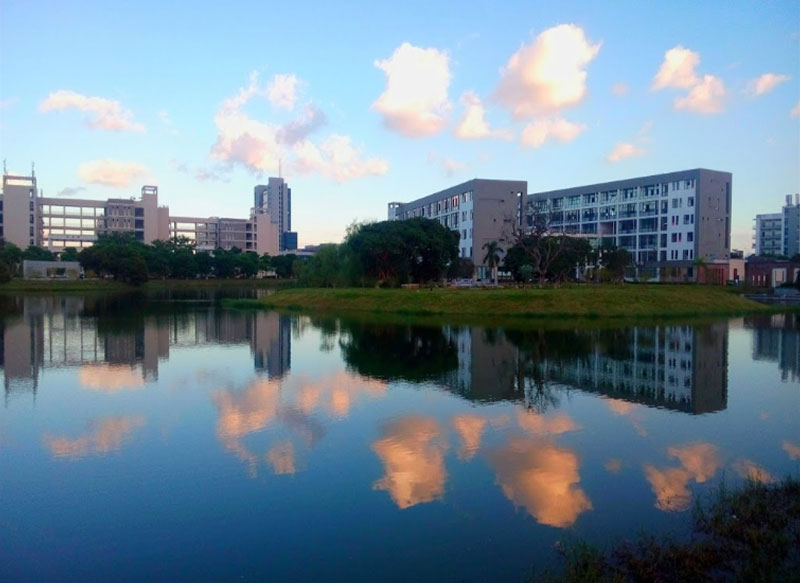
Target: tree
{"type": "Point", "coordinates": [325, 268]}
{"type": "Point", "coordinates": [537, 247]}
{"type": "Point", "coordinates": [35, 253]}
{"type": "Point", "coordinates": [205, 263]}
{"type": "Point", "coordinates": [462, 268]}
{"type": "Point", "coordinates": [69, 254]}
{"type": "Point", "coordinates": [283, 265]}
{"type": "Point", "coordinates": [224, 263]}
{"type": "Point", "coordinates": [11, 255]}
{"type": "Point", "coordinates": [5, 272]}
{"type": "Point", "coordinates": [492, 258]}
{"type": "Point", "coordinates": [247, 264]}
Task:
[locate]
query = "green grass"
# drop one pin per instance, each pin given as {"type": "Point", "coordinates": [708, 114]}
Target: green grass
{"type": "Point", "coordinates": [93, 285]}
{"type": "Point", "coordinates": [748, 535]}
{"type": "Point", "coordinates": [576, 301]}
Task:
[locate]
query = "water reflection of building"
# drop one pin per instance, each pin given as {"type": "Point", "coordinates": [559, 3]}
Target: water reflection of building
{"type": "Point", "coordinates": [57, 332]}
{"type": "Point", "coordinates": [777, 339]}
{"type": "Point", "coordinates": [676, 367]}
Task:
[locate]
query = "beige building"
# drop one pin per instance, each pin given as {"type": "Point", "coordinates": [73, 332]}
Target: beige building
{"type": "Point", "coordinates": [27, 218]}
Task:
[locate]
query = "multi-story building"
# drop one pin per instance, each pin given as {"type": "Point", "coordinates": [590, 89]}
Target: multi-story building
{"type": "Point", "coordinates": [779, 233]}
{"type": "Point", "coordinates": [27, 218]}
{"type": "Point", "coordinates": [666, 221]}
{"type": "Point", "coordinates": [479, 210]}
{"type": "Point", "coordinates": [275, 200]}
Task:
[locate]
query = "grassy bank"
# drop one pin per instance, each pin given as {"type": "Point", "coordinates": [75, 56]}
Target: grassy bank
{"type": "Point", "coordinates": [751, 534]}
{"type": "Point", "coordinates": [579, 301]}
{"type": "Point", "coordinates": [93, 285]}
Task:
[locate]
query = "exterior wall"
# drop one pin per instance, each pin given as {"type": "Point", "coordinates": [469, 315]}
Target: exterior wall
{"type": "Point", "coordinates": [275, 198]}
{"type": "Point", "coordinates": [149, 206]}
{"type": "Point", "coordinates": [70, 222]}
{"type": "Point", "coordinates": [51, 269]}
{"type": "Point", "coordinates": [268, 234]}
{"type": "Point", "coordinates": [791, 228]}
{"type": "Point", "coordinates": [19, 211]}
{"type": "Point", "coordinates": [479, 210]}
{"type": "Point", "coordinates": [664, 220]}
{"type": "Point", "coordinates": [769, 234]}
{"type": "Point", "coordinates": [771, 273]}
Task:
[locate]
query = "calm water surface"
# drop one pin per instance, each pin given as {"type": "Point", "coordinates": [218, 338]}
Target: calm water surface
{"type": "Point", "coordinates": [165, 438]}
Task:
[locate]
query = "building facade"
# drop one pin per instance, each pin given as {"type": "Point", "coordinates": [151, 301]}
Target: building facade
{"type": "Point", "coordinates": [666, 221]}
{"type": "Point", "coordinates": [779, 233]}
{"type": "Point", "coordinates": [275, 199]}
{"type": "Point", "coordinates": [27, 218]}
{"type": "Point", "coordinates": [480, 211]}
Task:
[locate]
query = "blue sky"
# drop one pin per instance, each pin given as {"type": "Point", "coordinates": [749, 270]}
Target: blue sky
{"type": "Point", "coordinates": [366, 103]}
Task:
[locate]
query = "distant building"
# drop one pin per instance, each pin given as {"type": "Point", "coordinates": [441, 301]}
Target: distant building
{"type": "Point", "coordinates": [480, 211]}
{"type": "Point", "coordinates": [779, 233]}
{"type": "Point", "coordinates": [27, 218]}
{"type": "Point", "coordinates": [666, 221]}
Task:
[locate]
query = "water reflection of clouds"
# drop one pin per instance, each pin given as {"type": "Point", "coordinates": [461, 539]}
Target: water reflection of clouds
{"type": "Point", "coordinates": [412, 450]}
{"type": "Point", "coordinates": [541, 477]}
{"type": "Point", "coordinates": [750, 470]}
{"type": "Point", "coordinates": [106, 435]}
{"type": "Point", "coordinates": [292, 401]}
{"type": "Point", "coordinates": [470, 430]}
{"type": "Point", "coordinates": [699, 461]}
{"type": "Point", "coordinates": [110, 378]}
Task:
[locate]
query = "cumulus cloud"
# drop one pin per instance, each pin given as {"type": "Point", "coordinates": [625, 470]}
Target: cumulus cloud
{"type": "Point", "coordinates": [765, 83]}
{"type": "Point", "coordinates": [450, 166]}
{"type": "Point", "coordinates": [540, 131]}
{"type": "Point", "coordinates": [302, 126]}
{"type": "Point", "coordinates": [473, 124]}
{"type": "Point", "coordinates": [70, 190]}
{"type": "Point", "coordinates": [677, 69]}
{"type": "Point", "coordinates": [415, 100]}
{"type": "Point", "coordinates": [282, 91]}
{"type": "Point", "coordinates": [105, 114]}
{"type": "Point", "coordinates": [794, 113]}
{"type": "Point", "coordinates": [259, 145]}
{"type": "Point", "coordinates": [624, 150]}
{"type": "Point", "coordinates": [336, 158]}
{"type": "Point", "coordinates": [620, 89]}
{"type": "Point", "coordinates": [470, 429]}
{"type": "Point", "coordinates": [115, 173]}
{"type": "Point", "coordinates": [708, 96]}
{"type": "Point", "coordinates": [106, 435]}
{"type": "Point", "coordinates": [547, 74]}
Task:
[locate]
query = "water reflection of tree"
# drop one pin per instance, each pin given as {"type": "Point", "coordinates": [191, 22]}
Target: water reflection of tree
{"type": "Point", "coordinates": [387, 351]}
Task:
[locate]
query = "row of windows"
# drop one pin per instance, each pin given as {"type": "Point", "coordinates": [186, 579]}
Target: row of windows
{"type": "Point", "coordinates": [435, 208]}
{"type": "Point", "coordinates": [685, 254]}
{"type": "Point", "coordinates": [73, 211]}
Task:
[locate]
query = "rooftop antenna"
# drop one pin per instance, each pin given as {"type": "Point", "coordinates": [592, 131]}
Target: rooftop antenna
{"type": "Point", "coordinates": [280, 175]}
{"type": "Point", "coordinates": [33, 169]}
{"type": "Point", "coordinates": [5, 171]}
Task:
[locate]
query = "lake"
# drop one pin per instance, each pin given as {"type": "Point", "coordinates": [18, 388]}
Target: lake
{"type": "Point", "coordinates": [166, 438]}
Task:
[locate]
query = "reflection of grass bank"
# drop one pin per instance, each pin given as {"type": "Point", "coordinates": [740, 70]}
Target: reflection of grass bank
{"type": "Point", "coordinates": [752, 534]}
{"type": "Point", "coordinates": [584, 301]}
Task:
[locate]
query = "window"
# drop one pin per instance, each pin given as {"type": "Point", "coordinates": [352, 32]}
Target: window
{"type": "Point", "coordinates": [690, 236]}
{"type": "Point", "coordinates": [676, 203]}
{"type": "Point", "coordinates": [674, 237]}
{"type": "Point", "coordinates": [690, 201]}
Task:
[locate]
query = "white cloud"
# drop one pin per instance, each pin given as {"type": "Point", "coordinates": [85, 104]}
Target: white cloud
{"type": "Point", "coordinates": [620, 89]}
{"type": "Point", "coordinates": [299, 128]}
{"type": "Point", "coordinates": [282, 91]}
{"type": "Point", "coordinates": [708, 96]}
{"type": "Point", "coordinates": [105, 114]}
{"type": "Point", "coordinates": [259, 145]}
{"type": "Point", "coordinates": [794, 113]}
{"type": "Point", "coordinates": [473, 125]}
{"type": "Point", "coordinates": [548, 74]}
{"type": "Point", "coordinates": [450, 166]}
{"type": "Point", "coordinates": [538, 132]}
{"type": "Point", "coordinates": [415, 100]}
{"type": "Point", "coordinates": [163, 115]}
{"type": "Point", "coordinates": [677, 70]}
{"type": "Point", "coordinates": [114, 173]}
{"type": "Point", "coordinates": [765, 83]}
{"type": "Point", "coordinates": [337, 159]}
{"type": "Point", "coordinates": [624, 150]}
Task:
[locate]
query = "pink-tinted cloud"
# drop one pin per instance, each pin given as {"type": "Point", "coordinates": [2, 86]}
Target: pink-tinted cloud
{"type": "Point", "coordinates": [624, 150]}
{"type": "Point", "coordinates": [540, 131]}
{"type": "Point", "coordinates": [765, 83]}
{"type": "Point", "coordinates": [677, 70]}
{"type": "Point", "coordinates": [105, 114]}
{"type": "Point", "coordinates": [794, 113]}
{"type": "Point", "coordinates": [707, 97]}
{"type": "Point", "coordinates": [282, 91]}
{"type": "Point", "coordinates": [548, 74]}
{"type": "Point", "coordinates": [415, 102]}
{"type": "Point", "coordinates": [115, 173]}
{"type": "Point", "coordinates": [620, 89]}
{"type": "Point", "coordinates": [473, 125]}
{"type": "Point", "coordinates": [105, 435]}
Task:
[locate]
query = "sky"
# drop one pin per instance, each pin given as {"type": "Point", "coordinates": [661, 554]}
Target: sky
{"type": "Point", "coordinates": [359, 104]}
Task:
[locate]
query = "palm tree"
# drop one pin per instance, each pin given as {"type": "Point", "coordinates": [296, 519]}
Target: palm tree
{"type": "Point", "coordinates": [492, 259]}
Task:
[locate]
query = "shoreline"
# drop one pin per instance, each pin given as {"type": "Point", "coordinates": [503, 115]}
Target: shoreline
{"type": "Point", "coordinates": [587, 302]}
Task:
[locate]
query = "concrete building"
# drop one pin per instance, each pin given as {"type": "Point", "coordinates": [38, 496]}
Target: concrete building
{"type": "Point", "coordinates": [666, 221]}
{"type": "Point", "coordinates": [779, 233]}
{"type": "Point", "coordinates": [27, 218]}
{"type": "Point", "coordinates": [479, 210]}
{"type": "Point", "coordinates": [275, 200]}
